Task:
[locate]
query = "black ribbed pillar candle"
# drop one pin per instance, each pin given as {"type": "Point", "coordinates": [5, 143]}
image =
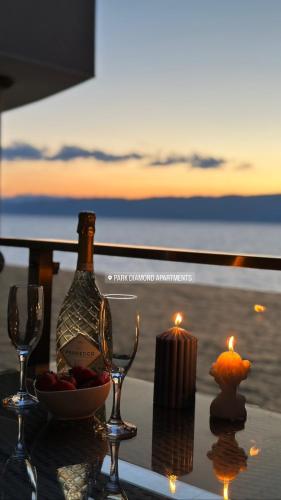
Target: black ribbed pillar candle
{"type": "Point", "coordinates": [175, 368]}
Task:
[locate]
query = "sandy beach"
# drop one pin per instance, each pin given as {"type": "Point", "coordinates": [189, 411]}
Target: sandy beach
{"type": "Point", "coordinates": [211, 313]}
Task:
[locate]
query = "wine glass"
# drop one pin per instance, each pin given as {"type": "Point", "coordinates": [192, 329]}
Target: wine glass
{"type": "Point", "coordinates": [19, 476]}
{"type": "Point", "coordinates": [25, 322]}
{"type": "Point", "coordinates": [119, 323]}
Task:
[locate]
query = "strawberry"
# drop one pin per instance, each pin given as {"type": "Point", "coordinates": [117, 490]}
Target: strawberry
{"type": "Point", "coordinates": [94, 382]}
{"type": "Point", "coordinates": [64, 385]}
{"type": "Point", "coordinates": [82, 375]}
{"type": "Point", "coordinates": [68, 378]}
{"type": "Point", "coordinates": [46, 381]}
{"type": "Point", "coordinates": [100, 379]}
{"type": "Point", "coordinates": [103, 378]}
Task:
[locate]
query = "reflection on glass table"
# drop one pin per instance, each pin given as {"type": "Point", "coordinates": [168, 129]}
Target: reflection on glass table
{"type": "Point", "coordinates": [175, 430]}
{"type": "Point", "coordinates": [19, 475]}
{"type": "Point", "coordinates": [173, 454]}
{"type": "Point", "coordinates": [155, 449]}
{"type": "Point", "coordinates": [69, 458]}
{"type": "Point", "coordinates": [228, 458]}
{"type": "Point", "coordinates": [113, 489]}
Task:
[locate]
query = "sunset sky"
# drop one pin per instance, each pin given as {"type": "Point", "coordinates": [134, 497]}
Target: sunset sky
{"type": "Point", "coordinates": [186, 101]}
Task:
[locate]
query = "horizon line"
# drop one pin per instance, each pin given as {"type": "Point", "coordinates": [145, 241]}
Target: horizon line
{"type": "Point", "coordinates": [28, 195]}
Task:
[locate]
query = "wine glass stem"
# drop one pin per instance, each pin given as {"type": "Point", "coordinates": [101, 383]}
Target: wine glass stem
{"type": "Point", "coordinates": [20, 429]}
{"type": "Point", "coordinates": [23, 366]}
{"type": "Point", "coordinates": [114, 450]}
{"type": "Point", "coordinates": [117, 386]}
{"type": "Point", "coordinates": [20, 446]}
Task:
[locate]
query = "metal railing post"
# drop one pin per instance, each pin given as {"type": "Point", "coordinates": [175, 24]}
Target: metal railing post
{"type": "Point", "coordinates": [41, 270]}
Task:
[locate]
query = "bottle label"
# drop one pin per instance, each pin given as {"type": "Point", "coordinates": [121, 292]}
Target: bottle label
{"type": "Point", "coordinates": [80, 352]}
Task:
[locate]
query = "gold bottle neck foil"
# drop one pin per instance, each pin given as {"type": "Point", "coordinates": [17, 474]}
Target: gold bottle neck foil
{"type": "Point", "coordinates": [86, 231]}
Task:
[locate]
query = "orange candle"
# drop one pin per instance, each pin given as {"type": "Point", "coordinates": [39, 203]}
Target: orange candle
{"type": "Point", "coordinates": [229, 367]}
{"type": "Point", "coordinates": [228, 371]}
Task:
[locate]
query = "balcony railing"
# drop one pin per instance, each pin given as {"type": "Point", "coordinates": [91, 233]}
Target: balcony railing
{"type": "Point", "coordinates": [42, 268]}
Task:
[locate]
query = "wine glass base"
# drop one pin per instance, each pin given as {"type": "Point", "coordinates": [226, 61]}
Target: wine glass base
{"type": "Point", "coordinates": [20, 400]}
{"type": "Point", "coordinates": [122, 430]}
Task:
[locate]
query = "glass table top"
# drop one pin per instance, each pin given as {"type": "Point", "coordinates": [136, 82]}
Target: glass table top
{"type": "Point", "coordinates": [246, 457]}
{"type": "Point", "coordinates": [176, 454]}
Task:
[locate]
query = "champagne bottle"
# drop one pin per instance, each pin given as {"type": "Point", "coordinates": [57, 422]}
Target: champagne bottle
{"type": "Point", "coordinates": [78, 321]}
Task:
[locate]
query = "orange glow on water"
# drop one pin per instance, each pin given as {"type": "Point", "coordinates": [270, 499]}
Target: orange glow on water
{"type": "Point", "coordinates": [259, 308]}
{"type": "Point", "coordinates": [254, 450]}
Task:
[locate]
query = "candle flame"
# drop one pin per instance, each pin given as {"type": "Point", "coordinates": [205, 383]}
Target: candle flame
{"type": "Point", "coordinates": [172, 483]}
{"type": "Point", "coordinates": [254, 450]}
{"type": "Point", "coordinates": [225, 490]}
{"type": "Point", "coordinates": [259, 308]}
{"type": "Point", "coordinates": [178, 319]}
{"type": "Point", "coordinates": [231, 342]}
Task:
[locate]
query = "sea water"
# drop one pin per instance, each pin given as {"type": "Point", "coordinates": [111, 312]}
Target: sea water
{"type": "Point", "coordinates": [251, 238]}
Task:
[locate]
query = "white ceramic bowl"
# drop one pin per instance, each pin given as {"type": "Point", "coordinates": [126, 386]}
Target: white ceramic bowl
{"type": "Point", "coordinates": [79, 403]}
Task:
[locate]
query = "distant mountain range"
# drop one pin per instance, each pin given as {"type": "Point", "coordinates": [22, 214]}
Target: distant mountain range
{"type": "Point", "coordinates": [263, 208]}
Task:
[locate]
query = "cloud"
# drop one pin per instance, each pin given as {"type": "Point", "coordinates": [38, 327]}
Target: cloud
{"type": "Point", "coordinates": [22, 151]}
{"type": "Point", "coordinates": [193, 161]}
{"type": "Point", "coordinates": [67, 153]}
{"type": "Point", "coordinates": [198, 161]}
